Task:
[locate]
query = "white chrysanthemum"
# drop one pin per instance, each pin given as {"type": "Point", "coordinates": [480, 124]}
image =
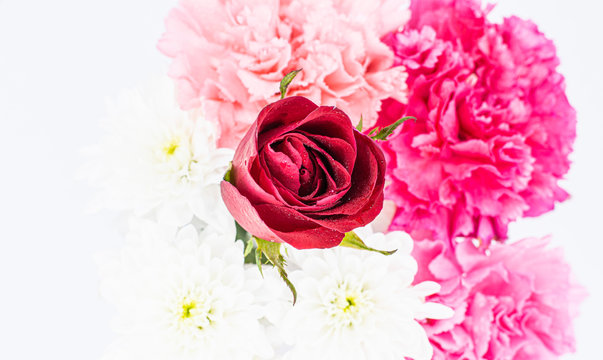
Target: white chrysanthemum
{"type": "Point", "coordinates": [158, 157]}
{"type": "Point", "coordinates": [355, 304]}
{"type": "Point", "coordinates": [181, 295]}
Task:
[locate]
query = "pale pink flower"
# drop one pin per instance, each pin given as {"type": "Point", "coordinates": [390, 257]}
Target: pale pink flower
{"type": "Point", "coordinates": [494, 127]}
{"type": "Point", "coordinates": [229, 57]}
{"type": "Point", "coordinates": [516, 301]}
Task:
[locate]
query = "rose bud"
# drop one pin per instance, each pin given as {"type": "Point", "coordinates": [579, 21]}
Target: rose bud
{"type": "Point", "coordinates": [304, 175]}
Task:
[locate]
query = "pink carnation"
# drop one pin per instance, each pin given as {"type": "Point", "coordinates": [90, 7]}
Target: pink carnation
{"type": "Point", "coordinates": [517, 302]}
{"type": "Point", "coordinates": [229, 56]}
{"type": "Point", "coordinates": [494, 127]}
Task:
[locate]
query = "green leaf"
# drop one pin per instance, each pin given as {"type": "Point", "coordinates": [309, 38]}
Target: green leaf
{"type": "Point", "coordinates": [228, 171]}
{"type": "Point", "coordinates": [382, 134]}
{"type": "Point", "coordinates": [242, 234]}
{"type": "Point", "coordinates": [353, 241]}
{"type": "Point", "coordinates": [359, 126]}
{"type": "Point", "coordinates": [286, 81]}
{"type": "Point", "coordinates": [272, 251]}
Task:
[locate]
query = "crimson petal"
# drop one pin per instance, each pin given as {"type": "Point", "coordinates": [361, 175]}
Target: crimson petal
{"type": "Point", "coordinates": [245, 214]}
{"type": "Point", "coordinates": [296, 229]}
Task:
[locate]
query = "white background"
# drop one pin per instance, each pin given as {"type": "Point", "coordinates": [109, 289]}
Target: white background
{"type": "Point", "coordinates": [61, 59]}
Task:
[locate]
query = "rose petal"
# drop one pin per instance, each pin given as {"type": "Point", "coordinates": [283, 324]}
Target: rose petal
{"type": "Point", "coordinates": [270, 185]}
{"type": "Point", "coordinates": [281, 167]}
{"type": "Point", "coordinates": [359, 207]}
{"type": "Point", "coordinates": [296, 154]}
{"type": "Point", "coordinates": [245, 214]}
{"type": "Point", "coordinates": [245, 155]}
{"type": "Point", "coordinates": [332, 167]}
{"type": "Point", "coordinates": [345, 223]}
{"type": "Point", "coordinates": [296, 229]}
{"type": "Point", "coordinates": [366, 178]}
{"type": "Point", "coordinates": [330, 122]}
{"type": "Point", "coordinates": [281, 117]}
{"type": "Point", "coordinates": [330, 178]}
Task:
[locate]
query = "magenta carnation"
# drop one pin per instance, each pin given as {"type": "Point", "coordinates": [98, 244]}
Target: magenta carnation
{"type": "Point", "coordinates": [494, 127]}
{"type": "Point", "coordinates": [229, 56]}
{"type": "Point", "coordinates": [517, 302]}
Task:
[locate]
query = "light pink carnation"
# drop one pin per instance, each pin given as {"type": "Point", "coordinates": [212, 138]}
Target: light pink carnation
{"type": "Point", "coordinates": [516, 303]}
{"type": "Point", "coordinates": [229, 56]}
{"type": "Point", "coordinates": [494, 128]}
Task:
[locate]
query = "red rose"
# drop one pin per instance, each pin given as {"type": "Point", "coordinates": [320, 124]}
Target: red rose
{"type": "Point", "coordinates": [303, 175]}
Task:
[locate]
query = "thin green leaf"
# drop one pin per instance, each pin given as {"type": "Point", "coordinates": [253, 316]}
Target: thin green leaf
{"type": "Point", "coordinates": [286, 81]}
{"type": "Point", "coordinates": [382, 134]}
{"type": "Point", "coordinates": [272, 251]}
{"type": "Point", "coordinates": [359, 126]}
{"type": "Point", "coordinates": [353, 241]}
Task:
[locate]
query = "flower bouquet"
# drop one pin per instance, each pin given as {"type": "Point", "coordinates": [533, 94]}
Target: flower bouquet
{"type": "Point", "coordinates": [334, 180]}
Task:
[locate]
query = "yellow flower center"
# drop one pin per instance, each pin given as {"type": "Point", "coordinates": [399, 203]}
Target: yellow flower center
{"type": "Point", "coordinates": [171, 147]}
{"type": "Point", "coordinates": [186, 309]}
{"type": "Point", "coordinates": [194, 312]}
{"type": "Point", "coordinates": [348, 304]}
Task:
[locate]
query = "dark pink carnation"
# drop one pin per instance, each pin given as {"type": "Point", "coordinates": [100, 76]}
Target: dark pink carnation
{"type": "Point", "coordinates": [516, 302]}
{"type": "Point", "coordinates": [494, 127]}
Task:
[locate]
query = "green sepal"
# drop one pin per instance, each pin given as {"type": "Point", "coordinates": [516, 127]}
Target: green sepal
{"type": "Point", "coordinates": [248, 248]}
{"type": "Point", "coordinates": [359, 126]}
{"type": "Point", "coordinates": [258, 259]}
{"type": "Point", "coordinates": [382, 134]}
{"type": "Point", "coordinates": [228, 171]}
{"type": "Point", "coordinates": [286, 81]}
{"type": "Point", "coordinates": [353, 241]}
{"type": "Point", "coordinates": [272, 251]}
{"type": "Point", "coordinates": [243, 235]}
